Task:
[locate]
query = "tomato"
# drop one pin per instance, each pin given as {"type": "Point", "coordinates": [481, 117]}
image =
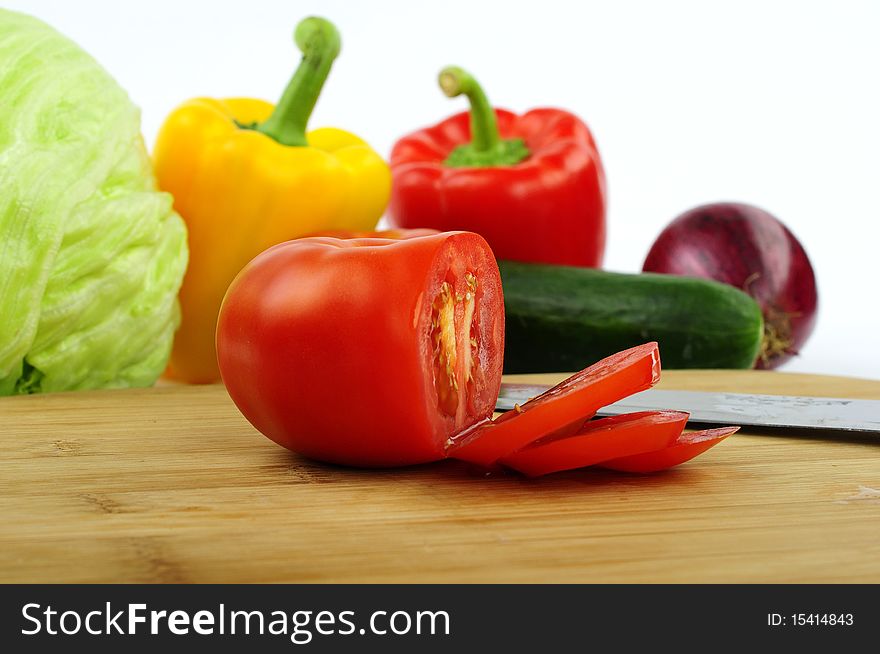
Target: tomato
{"type": "Point", "coordinates": [388, 351]}
{"type": "Point", "coordinates": [599, 440]}
{"type": "Point", "coordinates": [563, 408]}
{"type": "Point", "coordinates": [365, 352]}
{"type": "Point", "coordinates": [398, 234]}
{"type": "Point", "coordinates": [686, 447]}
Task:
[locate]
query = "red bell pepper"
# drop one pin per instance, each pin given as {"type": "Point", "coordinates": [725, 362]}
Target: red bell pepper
{"type": "Point", "coordinates": [532, 185]}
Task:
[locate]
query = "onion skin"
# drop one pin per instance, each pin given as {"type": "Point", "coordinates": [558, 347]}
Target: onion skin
{"type": "Point", "coordinates": [746, 247]}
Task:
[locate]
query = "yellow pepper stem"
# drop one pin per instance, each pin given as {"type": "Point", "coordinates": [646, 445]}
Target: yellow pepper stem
{"type": "Point", "coordinates": [320, 43]}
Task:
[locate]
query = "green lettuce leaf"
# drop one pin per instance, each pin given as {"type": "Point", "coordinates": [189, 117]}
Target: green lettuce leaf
{"type": "Point", "coordinates": [91, 254]}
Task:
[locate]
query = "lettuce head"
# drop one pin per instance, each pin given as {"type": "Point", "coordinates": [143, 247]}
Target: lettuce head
{"type": "Point", "coordinates": [91, 254]}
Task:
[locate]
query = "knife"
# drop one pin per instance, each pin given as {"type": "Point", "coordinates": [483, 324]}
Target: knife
{"type": "Point", "coordinates": [778, 411]}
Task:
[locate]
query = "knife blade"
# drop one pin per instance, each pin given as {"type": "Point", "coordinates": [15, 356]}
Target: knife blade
{"type": "Point", "coordinates": [777, 411]}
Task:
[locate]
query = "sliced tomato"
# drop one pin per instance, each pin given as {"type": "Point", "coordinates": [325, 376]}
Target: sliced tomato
{"type": "Point", "coordinates": [686, 447]}
{"type": "Point", "coordinates": [600, 440]}
{"type": "Point", "coordinates": [574, 400]}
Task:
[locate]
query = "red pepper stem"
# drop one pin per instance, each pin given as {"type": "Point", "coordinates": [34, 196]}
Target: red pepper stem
{"type": "Point", "coordinates": [320, 43]}
{"type": "Point", "coordinates": [456, 81]}
{"type": "Point", "coordinates": [487, 148]}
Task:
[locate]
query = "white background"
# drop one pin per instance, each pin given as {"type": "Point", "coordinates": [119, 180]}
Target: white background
{"type": "Point", "coordinates": [772, 103]}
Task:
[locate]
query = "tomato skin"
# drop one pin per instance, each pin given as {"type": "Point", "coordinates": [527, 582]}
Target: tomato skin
{"type": "Point", "coordinates": [599, 440]}
{"type": "Point", "coordinates": [397, 234]}
{"type": "Point", "coordinates": [325, 345]}
{"type": "Point", "coordinates": [686, 447]}
{"type": "Point", "coordinates": [562, 408]}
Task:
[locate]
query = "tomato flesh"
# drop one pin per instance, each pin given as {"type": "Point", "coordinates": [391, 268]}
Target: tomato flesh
{"type": "Point", "coordinates": [443, 337]}
{"type": "Point", "coordinates": [455, 334]}
{"type": "Point", "coordinates": [574, 400]}
{"type": "Point", "coordinates": [599, 440]}
{"type": "Point", "coordinates": [686, 447]}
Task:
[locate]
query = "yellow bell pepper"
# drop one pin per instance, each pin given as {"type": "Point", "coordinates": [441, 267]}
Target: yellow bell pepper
{"type": "Point", "coordinates": [245, 176]}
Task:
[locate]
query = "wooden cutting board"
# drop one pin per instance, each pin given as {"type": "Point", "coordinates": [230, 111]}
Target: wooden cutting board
{"type": "Point", "coordinates": [173, 485]}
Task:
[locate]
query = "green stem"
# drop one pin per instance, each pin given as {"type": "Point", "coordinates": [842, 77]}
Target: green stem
{"type": "Point", "coordinates": [319, 42]}
{"type": "Point", "coordinates": [456, 81]}
{"type": "Point", "coordinates": [486, 148]}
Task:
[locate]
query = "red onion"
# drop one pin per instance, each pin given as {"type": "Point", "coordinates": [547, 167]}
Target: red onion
{"type": "Point", "coordinates": [748, 248]}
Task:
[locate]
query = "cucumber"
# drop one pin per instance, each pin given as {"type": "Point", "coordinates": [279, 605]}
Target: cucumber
{"type": "Point", "coordinates": [561, 318]}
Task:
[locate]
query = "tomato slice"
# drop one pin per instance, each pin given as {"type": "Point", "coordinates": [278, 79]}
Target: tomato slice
{"type": "Point", "coordinates": [574, 400]}
{"type": "Point", "coordinates": [686, 447]}
{"type": "Point", "coordinates": [600, 440]}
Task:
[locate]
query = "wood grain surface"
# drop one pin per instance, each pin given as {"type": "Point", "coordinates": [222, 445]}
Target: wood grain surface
{"type": "Point", "coordinates": [171, 484]}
